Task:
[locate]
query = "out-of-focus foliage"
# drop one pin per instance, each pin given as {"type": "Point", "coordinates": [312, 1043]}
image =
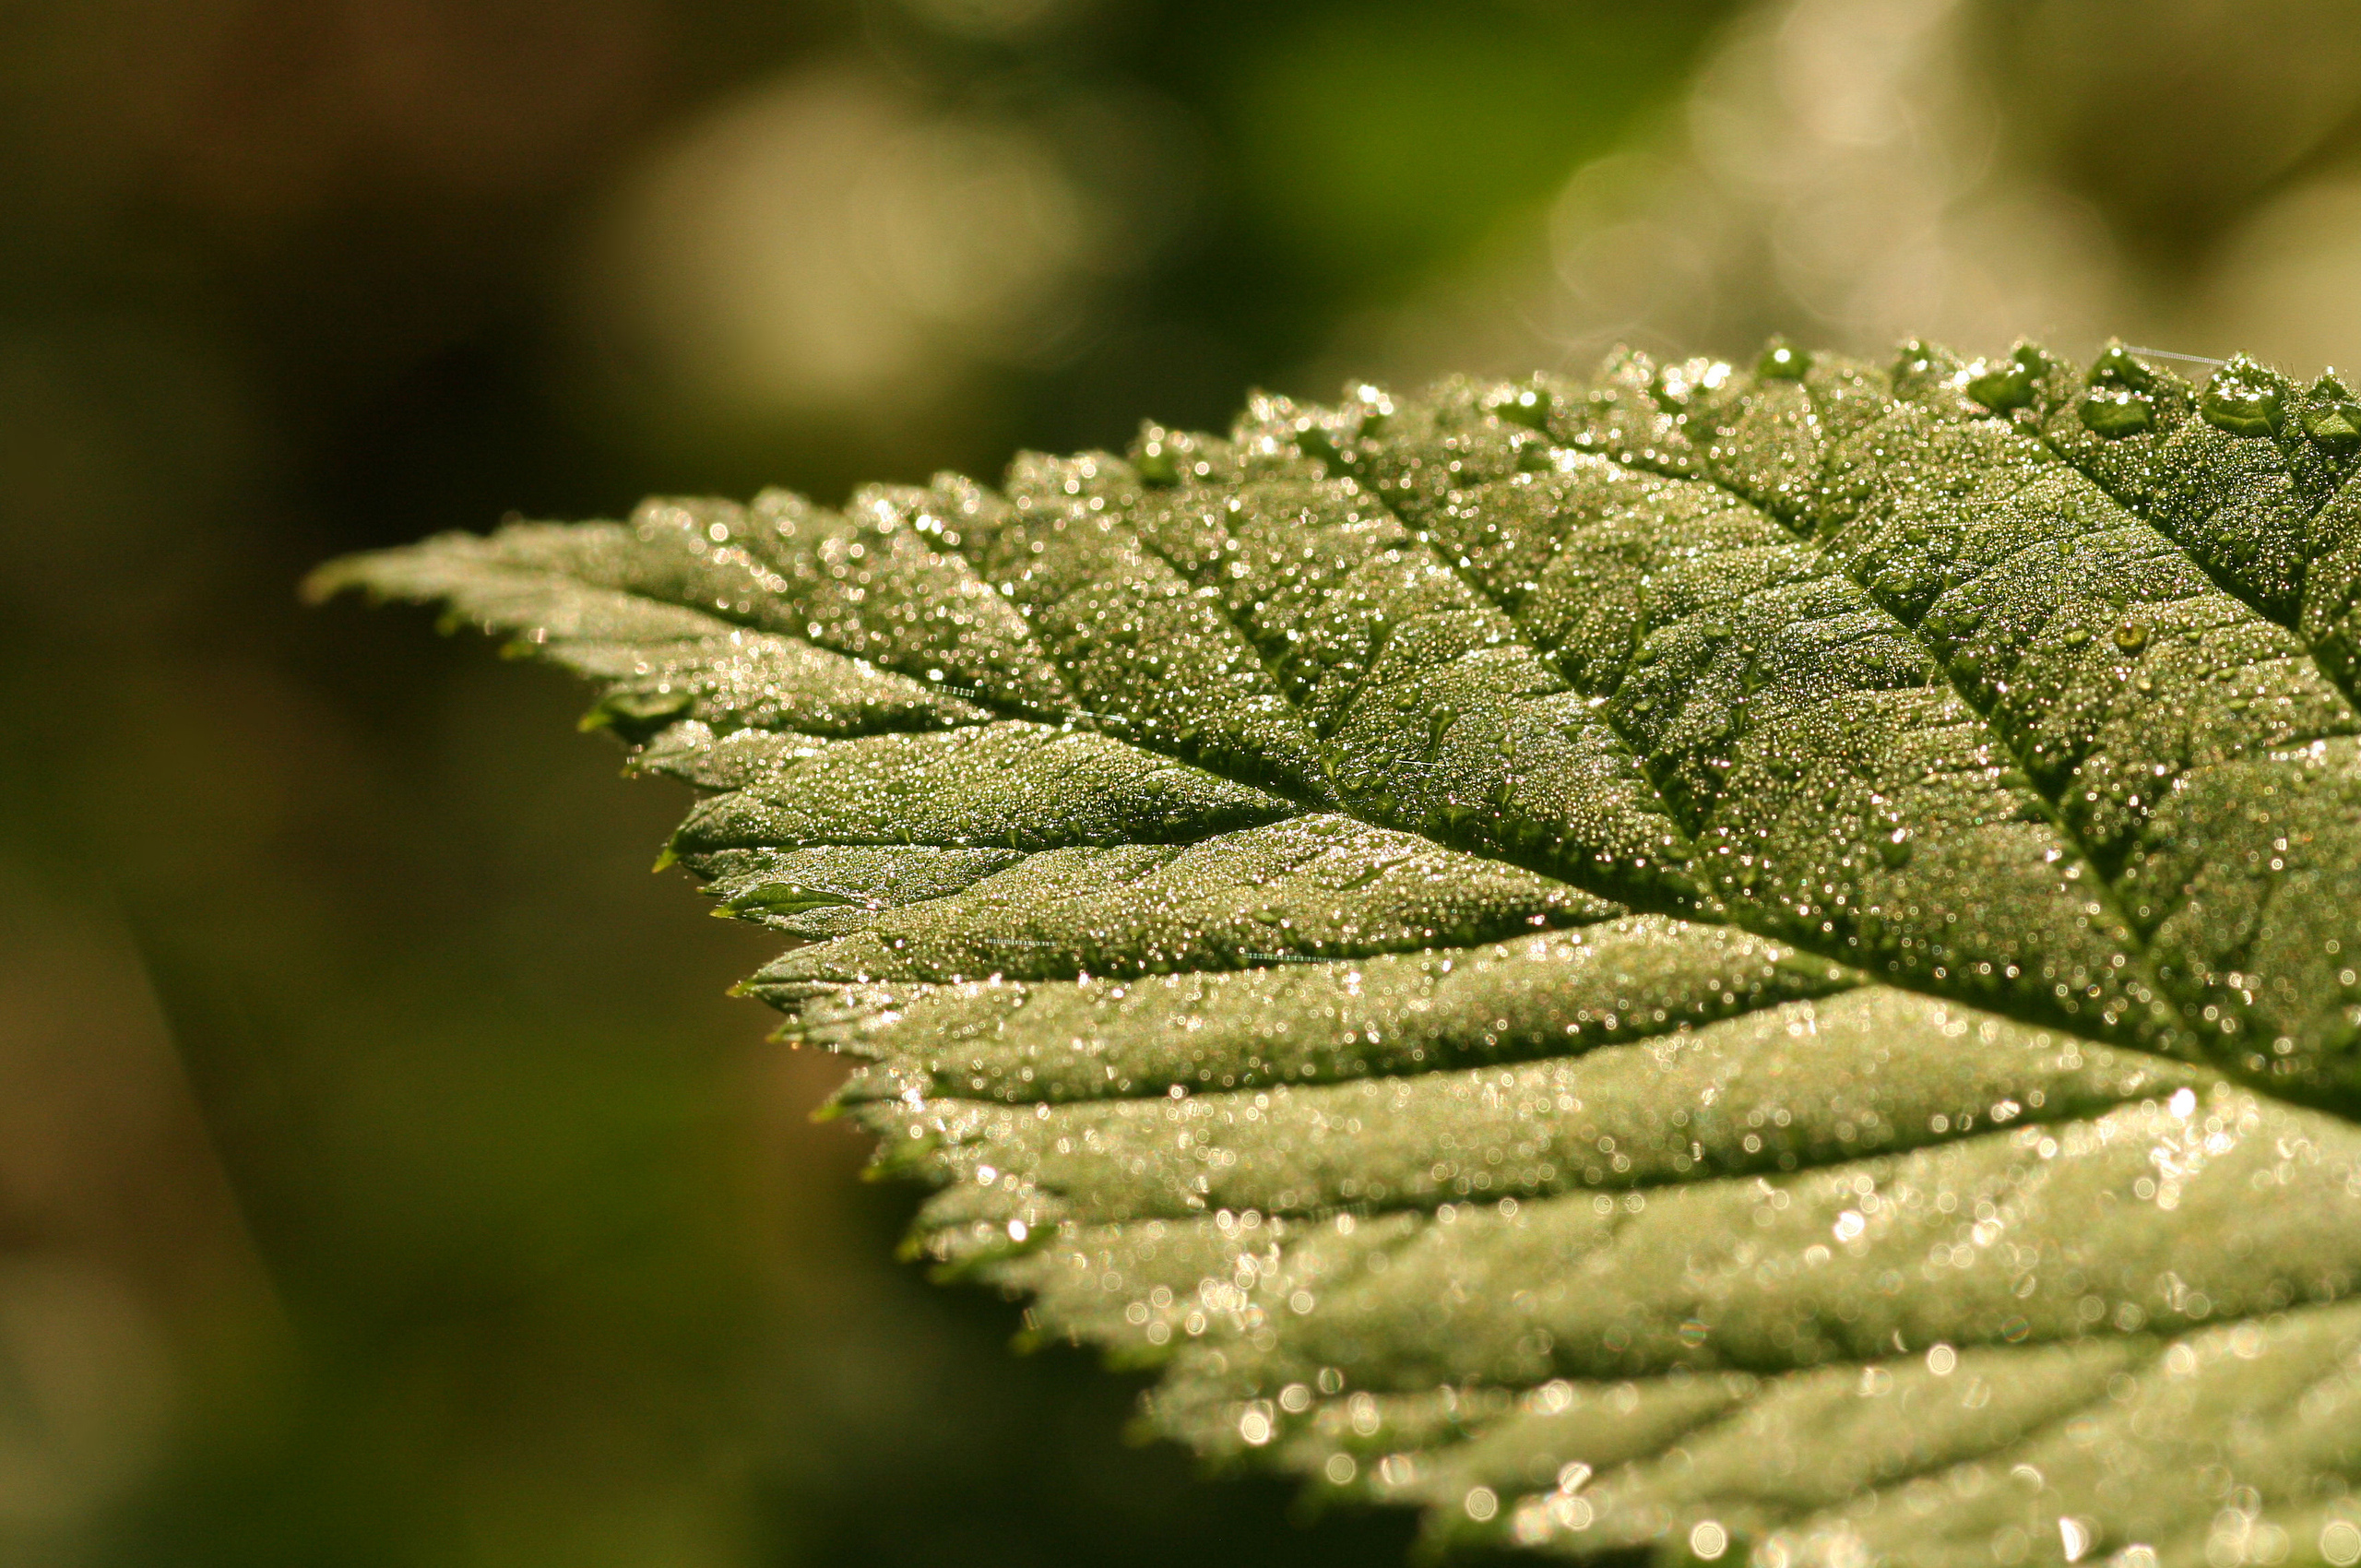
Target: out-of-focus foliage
{"type": "Point", "coordinates": [349, 1218]}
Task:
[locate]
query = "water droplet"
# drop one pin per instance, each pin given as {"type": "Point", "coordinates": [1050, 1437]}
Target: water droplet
{"type": "Point", "coordinates": [1154, 459]}
{"type": "Point", "coordinates": [2244, 398]}
{"type": "Point", "coordinates": [2131, 636]}
{"type": "Point", "coordinates": [2001, 387]}
{"type": "Point", "coordinates": [2013, 383]}
{"type": "Point", "coordinates": [2330, 415]}
{"type": "Point", "coordinates": [1528, 406]}
{"type": "Point", "coordinates": [627, 709]}
{"type": "Point", "coordinates": [2117, 366]}
{"type": "Point", "coordinates": [1781, 361]}
{"type": "Point", "coordinates": [2115, 412]}
{"type": "Point", "coordinates": [1315, 442]}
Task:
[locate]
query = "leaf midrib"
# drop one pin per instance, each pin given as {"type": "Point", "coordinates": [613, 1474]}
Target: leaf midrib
{"type": "Point", "coordinates": [1719, 913]}
{"type": "Point", "coordinates": [2142, 951]}
{"type": "Point", "coordinates": [1118, 729]}
{"type": "Point", "coordinates": [1706, 910]}
{"type": "Point", "coordinates": [2349, 686]}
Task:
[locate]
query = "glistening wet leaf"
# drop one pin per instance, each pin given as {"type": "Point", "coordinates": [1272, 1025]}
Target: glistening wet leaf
{"type": "Point", "coordinates": [1759, 965]}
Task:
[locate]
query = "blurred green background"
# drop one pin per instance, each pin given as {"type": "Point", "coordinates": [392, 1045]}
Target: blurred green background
{"type": "Point", "coordinates": [384, 1179]}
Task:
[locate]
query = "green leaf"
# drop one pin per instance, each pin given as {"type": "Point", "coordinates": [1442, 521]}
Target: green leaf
{"type": "Point", "coordinates": [1755, 965]}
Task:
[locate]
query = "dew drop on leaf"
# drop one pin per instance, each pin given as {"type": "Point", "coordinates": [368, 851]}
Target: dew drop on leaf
{"type": "Point", "coordinates": [1783, 362]}
{"type": "Point", "coordinates": [2242, 400]}
{"type": "Point", "coordinates": [2115, 412]}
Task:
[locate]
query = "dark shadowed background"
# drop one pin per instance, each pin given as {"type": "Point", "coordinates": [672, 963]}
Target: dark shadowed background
{"type": "Point", "coordinates": [384, 1178]}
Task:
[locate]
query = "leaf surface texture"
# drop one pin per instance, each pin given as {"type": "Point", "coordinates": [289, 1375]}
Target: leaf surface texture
{"type": "Point", "coordinates": [1758, 964]}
